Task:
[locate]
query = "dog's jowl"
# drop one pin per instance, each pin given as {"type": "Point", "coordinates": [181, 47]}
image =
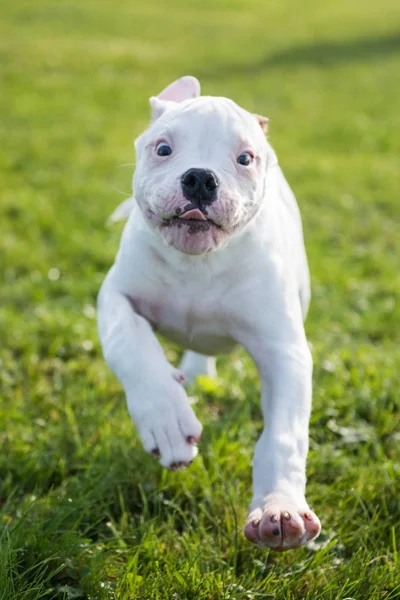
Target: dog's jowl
{"type": "Point", "coordinates": [212, 255]}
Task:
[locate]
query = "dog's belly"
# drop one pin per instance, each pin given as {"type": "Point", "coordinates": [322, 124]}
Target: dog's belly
{"type": "Point", "coordinates": [204, 342]}
{"type": "Point", "coordinates": [197, 329]}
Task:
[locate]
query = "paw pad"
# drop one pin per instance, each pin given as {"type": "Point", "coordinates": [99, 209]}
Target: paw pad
{"type": "Point", "coordinates": [281, 527]}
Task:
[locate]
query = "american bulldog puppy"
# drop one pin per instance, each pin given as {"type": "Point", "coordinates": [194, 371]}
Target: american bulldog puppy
{"type": "Point", "coordinates": [212, 255]}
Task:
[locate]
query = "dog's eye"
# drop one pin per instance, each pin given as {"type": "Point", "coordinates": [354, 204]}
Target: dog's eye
{"type": "Point", "coordinates": [163, 149]}
{"type": "Point", "coordinates": [245, 159]}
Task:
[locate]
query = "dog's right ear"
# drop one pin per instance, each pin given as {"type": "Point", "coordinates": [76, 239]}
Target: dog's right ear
{"type": "Point", "coordinates": [263, 122]}
{"type": "Point", "coordinates": [180, 90]}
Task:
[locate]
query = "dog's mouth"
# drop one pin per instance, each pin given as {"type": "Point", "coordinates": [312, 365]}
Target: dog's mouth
{"type": "Point", "coordinates": [194, 219]}
{"type": "Point", "coordinates": [190, 231]}
{"type": "Point", "coordinates": [192, 214]}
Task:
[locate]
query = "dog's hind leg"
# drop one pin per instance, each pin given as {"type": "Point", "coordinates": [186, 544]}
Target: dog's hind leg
{"type": "Point", "coordinates": [194, 364]}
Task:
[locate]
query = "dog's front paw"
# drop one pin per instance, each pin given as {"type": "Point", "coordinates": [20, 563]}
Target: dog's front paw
{"type": "Point", "coordinates": [280, 523]}
{"type": "Point", "coordinates": [166, 422]}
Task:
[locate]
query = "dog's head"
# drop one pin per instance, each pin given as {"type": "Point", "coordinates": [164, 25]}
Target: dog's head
{"type": "Point", "coordinates": [201, 167]}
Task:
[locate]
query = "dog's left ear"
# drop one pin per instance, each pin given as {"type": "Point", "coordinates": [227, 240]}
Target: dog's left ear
{"type": "Point", "coordinates": [263, 122]}
{"type": "Point", "coordinates": [180, 90]}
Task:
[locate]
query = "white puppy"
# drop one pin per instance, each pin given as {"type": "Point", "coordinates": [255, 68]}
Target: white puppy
{"type": "Point", "coordinates": [213, 255]}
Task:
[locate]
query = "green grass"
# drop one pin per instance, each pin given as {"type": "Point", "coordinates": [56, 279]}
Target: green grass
{"type": "Point", "coordinates": [84, 512]}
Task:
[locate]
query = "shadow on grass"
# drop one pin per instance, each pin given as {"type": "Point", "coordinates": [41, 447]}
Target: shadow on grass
{"type": "Point", "coordinates": [321, 54]}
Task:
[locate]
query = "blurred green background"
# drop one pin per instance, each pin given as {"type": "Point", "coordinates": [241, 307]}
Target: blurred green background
{"type": "Point", "coordinates": [84, 512]}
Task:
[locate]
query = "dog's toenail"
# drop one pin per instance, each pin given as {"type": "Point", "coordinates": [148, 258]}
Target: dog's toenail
{"type": "Point", "coordinates": [173, 466]}
{"type": "Point", "coordinates": [286, 515]}
{"type": "Point", "coordinates": [255, 522]}
{"type": "Point", "coordinates": [155, 452]}
{"type": "Point", "coordinates": [274, 518]}
{"type": "Point", "coordinates": [308, 516]}
{"type": "Point", "coordinates": [276, 531]}
{"type": "Point", "coordinates": [191, 439]}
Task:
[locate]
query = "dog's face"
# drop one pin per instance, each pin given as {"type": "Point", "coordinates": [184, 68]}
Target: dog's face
{"type": "Point", "coordinates": [201, 168]}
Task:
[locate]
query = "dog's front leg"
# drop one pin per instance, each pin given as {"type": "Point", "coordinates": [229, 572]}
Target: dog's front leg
{"type": "Point", "coordinates": [279, 515]}
{"type": "Point", "coordinates": [157, 401]}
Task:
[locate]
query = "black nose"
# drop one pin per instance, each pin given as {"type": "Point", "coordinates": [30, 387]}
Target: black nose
{"type": "Point", "coordinates": [200, 186]}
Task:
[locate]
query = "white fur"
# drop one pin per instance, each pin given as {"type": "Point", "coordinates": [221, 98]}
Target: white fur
{"type": "Point", "coordinates": [251, 288]}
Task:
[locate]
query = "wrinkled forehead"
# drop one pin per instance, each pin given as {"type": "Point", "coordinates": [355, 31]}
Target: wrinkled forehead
{"type": "Point", "coordinates": [209, 117]}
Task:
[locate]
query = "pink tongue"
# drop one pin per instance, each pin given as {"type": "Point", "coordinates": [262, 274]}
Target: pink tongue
{"type": "Point", "coordinates": [195, 213]}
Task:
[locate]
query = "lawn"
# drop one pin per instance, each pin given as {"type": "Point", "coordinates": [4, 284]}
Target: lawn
{"type": "Point", "coordinates": [84, 512]}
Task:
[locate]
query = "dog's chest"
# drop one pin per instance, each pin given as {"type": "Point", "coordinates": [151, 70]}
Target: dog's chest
{"type": "Point", "coordinates": [190, 315]}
